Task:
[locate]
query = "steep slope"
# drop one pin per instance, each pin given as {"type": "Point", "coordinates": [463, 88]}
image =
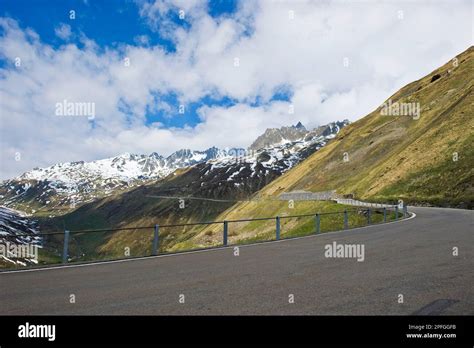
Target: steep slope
{"type": "Point", "coordinates": [426, 159]}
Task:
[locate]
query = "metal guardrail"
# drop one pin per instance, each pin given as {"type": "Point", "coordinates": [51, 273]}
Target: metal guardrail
{"type": "Point", "coordinates": [278, 220]}
{"type": "Point", "coordinates": [350, 201]}
{"type": "Point", "coordinates": [368, 209]}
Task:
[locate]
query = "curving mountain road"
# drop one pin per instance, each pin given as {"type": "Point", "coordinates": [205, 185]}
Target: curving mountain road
{"type": "Point", "coordinates": [413, 258]}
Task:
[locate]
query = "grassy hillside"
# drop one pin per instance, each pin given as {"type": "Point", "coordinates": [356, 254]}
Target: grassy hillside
{"type": "Point", "coordinates": [135, 242]}
{"type": "Point", "coordinates": [389, 157]}
{"type": "Point", "coordinates": [398, 157]}
{"type": "Point", "coordinates": [294, 222]}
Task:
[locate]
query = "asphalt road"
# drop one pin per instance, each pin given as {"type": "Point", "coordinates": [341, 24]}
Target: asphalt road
{"type": "Point", "coordinates": [413, 258]}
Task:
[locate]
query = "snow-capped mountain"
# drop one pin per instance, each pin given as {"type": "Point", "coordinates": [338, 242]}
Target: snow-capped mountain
{"type": "Point", "coordinates": [278, 136]}
{"type": "Point", "coordinates": [241, 173]}
{"type": "Point", "coordinates": [63, 186]}
{"type": "Point", "coordinates": [126, 167]}
{"type": "Point", "coordinates": [68, 184]}
{"type": "Point", "coordinates": [266, 163]}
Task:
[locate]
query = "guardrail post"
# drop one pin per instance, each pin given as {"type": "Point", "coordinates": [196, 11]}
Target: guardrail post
{"type": "Point", "coordinates": [368, 216]}
{"type": "Point", "coordinates": [277, 228]}
{"type": "Point", "coordinates": [226, 228]}
{"type": "Point", "coordinates": [346, 224]}
{"type": "Point", "coordinates": [318, 223]}
{"type": "Point", "coordinates": [396, 212]}
{"type": "Point", "coordinates": [405, 210]}
{"type": "Point", "coordinates": [156, 240]}
{"type": "Point", "coordinates": [384, 214]}
{"type": "Point", "coordinates": [65, 246]}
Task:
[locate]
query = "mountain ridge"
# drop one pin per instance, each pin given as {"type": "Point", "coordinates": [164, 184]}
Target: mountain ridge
{"type": "Point", "coordinates": [286, 134]}
{"type": "Point", "coordinates": [61, 187]}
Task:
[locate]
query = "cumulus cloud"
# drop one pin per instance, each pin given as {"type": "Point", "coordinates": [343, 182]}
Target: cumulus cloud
{"type": "Point", "coordinates": [338, 59]}
{"type": "Point", "coordinates": [159, 13]}
{"type": "Point", "coordinates": [63, 31]}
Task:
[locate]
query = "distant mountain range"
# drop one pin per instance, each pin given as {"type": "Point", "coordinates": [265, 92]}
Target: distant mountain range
{"type": "Point", "coordinates": [72, 183]}
{"type": "Point", "coordinates": [63, 186]}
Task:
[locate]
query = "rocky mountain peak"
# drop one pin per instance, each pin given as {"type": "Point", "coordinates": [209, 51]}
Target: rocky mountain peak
{"type": "Point", "coordinates": [277, 136]}
{"type": "Point", "coordinates": [299, 125]}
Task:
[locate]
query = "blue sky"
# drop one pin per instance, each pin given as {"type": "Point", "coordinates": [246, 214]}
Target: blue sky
{"type": "Point", "coordinates": [112, 24]}
{"type": "Point", "coordinates": [108, 22]}
{"type": "Point", "coordinates": [236, 68]}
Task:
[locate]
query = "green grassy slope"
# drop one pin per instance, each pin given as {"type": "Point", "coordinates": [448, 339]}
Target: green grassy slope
{"type": "Point", "coordinates": [390, 157]}
{"type": "Point", "coordinates": [398, 157]}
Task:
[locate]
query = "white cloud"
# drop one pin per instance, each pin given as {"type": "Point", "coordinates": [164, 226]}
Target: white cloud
{"type": "Point", "coordinates": [159, 13]}
{"type": "Point", "coordinates": [63, 31]}
{"type": "Point", "coordinates": [304, 54]}
{"type": "Point", "coordinates": [142, 40]}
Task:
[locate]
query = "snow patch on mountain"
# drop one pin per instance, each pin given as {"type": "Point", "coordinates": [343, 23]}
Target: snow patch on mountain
{"type": "Point", "coordinates": [72, 183]}
{"type": "Point", "coordinates": [16, 229]}
{"type": "Point", "coordinates": [65, 185]}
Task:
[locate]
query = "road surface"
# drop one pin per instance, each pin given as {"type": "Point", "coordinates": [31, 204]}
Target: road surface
{"type": "Point", "coordinates": [412, 258]}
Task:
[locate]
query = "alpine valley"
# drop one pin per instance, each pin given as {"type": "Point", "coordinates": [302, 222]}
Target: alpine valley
{"type": "Point", "coordinates": [236, 172]}
{"type": "Point", "coordinates": [423, 160]}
